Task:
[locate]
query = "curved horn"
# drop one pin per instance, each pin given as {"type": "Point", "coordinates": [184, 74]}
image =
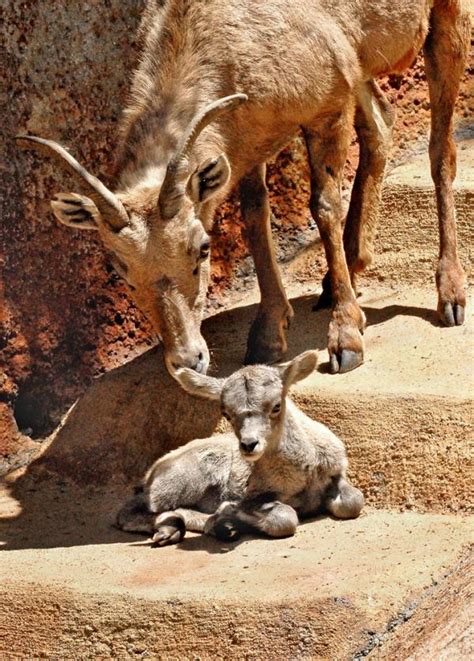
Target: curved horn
{"type": "Point", "coordinates": [108, 204]}
{"type": "Point", "coordinates": [177, 170]}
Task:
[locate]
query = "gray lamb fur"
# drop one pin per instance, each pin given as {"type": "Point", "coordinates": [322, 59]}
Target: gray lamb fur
{"type": "Point", "coordinates": [284, 465]}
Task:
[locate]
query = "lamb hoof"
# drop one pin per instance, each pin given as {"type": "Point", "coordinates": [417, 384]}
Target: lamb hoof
{"type": "Point", "coordinates": [170, 530]}
{"type": "Point", "coordinates": [226, 530]}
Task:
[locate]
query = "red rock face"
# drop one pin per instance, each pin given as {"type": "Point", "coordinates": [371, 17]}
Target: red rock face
{"type": "Point", "coordinates": [65, 316]}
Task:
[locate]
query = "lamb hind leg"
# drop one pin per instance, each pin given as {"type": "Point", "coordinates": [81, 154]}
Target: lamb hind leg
{"type": "Point", "coordinates": [166, 528]}
{"type": "Point", "coordinates": [171, 527]}
{"type": "Point", "coordinates": [446, 51]}
{"type": "Point", "coordinates": [135, 516]}
{"type": "Point", "coordinates": [327, 149]}
{"type": "Point", "coordinates": [267, 340]}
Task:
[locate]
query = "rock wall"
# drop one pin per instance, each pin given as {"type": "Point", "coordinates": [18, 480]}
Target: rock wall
{"type": "Point", "coordinates": [64, 314]}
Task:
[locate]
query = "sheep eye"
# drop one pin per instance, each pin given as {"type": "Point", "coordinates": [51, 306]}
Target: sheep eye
{"type": "Point", "coordinates": [276, 409]}
{"type": "Point", "coordinates": [225, 415]}
{"type": "Point", "coordinates": [204, 250]}
{"type": "Point", "coordinates": [119, 266]}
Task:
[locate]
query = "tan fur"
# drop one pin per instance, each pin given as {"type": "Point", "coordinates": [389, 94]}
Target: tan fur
{"type": "Point", "coordinates": [305, 64]}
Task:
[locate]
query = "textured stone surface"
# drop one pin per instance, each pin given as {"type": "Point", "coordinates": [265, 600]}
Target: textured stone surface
{"type": "Point", "coordinates": [320, 594]}
{"type": "Point", "coordinates": [440, 623]}
{"type": "Point", "coordinates": [64, 317]}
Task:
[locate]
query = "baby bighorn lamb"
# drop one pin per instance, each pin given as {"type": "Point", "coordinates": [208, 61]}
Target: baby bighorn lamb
{"type": "Point", "coordinates": [284, 465]}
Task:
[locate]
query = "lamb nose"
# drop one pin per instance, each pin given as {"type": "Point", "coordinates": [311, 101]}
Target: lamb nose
{"type": "Point", "coordinates": [250, 446]}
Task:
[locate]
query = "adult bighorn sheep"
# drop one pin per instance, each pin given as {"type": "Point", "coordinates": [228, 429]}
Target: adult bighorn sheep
{"type": "Point", "coordinates": [284, 465]}
{"type": "Point", "coordinates": [310, 65]}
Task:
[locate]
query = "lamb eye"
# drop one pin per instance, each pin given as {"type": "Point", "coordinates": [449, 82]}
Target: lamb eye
{"type": "Point", "coordinates": [225, 415]}
{"type": "Point", "coordinates": [276, 409]}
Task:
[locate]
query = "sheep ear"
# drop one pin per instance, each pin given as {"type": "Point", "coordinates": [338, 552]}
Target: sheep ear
{"type": "Point", "coordinates": [76, 211]}
{"type": "Point", "coordinates": [298, 368]}
{"type": "Point", "coordinates": [199, 385]}
{"type": "Point", "coordinates": [208, 179]}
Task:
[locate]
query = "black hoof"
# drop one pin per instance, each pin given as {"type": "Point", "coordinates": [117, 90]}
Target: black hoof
{"type": "Point", "coordinates": [459, 314]}
{"type": "Point", "coordinates": [345, 362]}
{"type": "Point", "coordinates": [226, 530]}
{"type": "Point", "coordinates": [170, 531]}
{"type": "Point", "coordinates": [166, 537]}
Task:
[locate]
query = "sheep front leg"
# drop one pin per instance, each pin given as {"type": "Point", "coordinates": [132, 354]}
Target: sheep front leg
{"type": "Point", "coordinates": [343, 500]}
{"type": "Point", "coordinates": [267, 339]}
{"type": "Point", "coordinates": [327, 149]}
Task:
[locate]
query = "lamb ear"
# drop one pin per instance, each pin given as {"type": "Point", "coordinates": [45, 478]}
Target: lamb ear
{"type": "Point", "coordinates": [207, 387]}
{"type": "Point", "coordinates": [76, 211]}
{"type": "Point", "coordinates": [298, 368]}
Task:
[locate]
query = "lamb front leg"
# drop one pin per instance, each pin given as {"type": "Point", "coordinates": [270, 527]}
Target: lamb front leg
{"type": "Point", "coordinates": [267, 338]}
{"type": "Point", "coordinates": [343, 500]}
{"type": "Point", "coordinates": [273, 518]}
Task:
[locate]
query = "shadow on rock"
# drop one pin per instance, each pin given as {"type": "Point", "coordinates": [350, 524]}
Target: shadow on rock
{"type": "Point", "coordinates": [70, 494]}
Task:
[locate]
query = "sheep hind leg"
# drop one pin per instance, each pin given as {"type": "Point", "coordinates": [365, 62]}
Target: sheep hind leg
{"type": "Point", "coordinates": [169, 528]}
{"type": "Point", "coordinates": [373, 123]}
{"type": "Point", "coordinates": [165, 528]}
{"type": "Point", "coordinates": [343, 500]}
{"type": "Point", "coordinates": [327, 145]}
{"type": "Point", "coordinates": [445, 52]}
